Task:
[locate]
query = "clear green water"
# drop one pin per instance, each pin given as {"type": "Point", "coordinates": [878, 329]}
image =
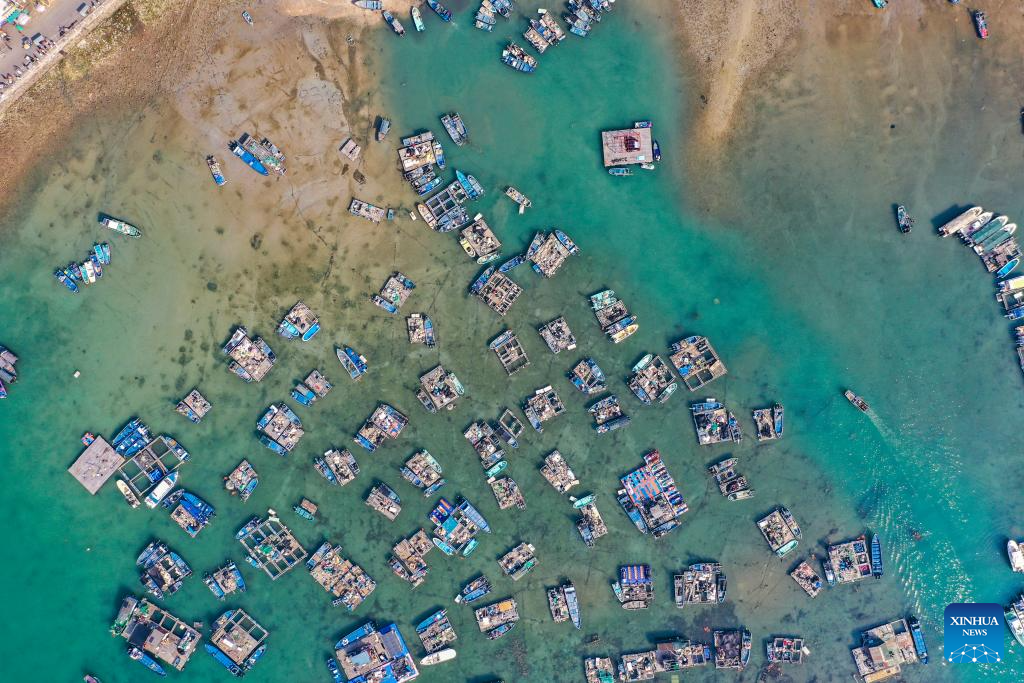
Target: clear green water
{"type": "Point", "coordinates": [797, 313]}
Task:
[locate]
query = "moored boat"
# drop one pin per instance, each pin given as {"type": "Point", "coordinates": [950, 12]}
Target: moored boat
{"type": "Point", "coordinates": [129, 495]}
{"type": "Point", "coordinates": [980, 23]}
{"type": "Point", "coordinates": [620, 171]}
{"type": "Point", "coordinates": [1014, 621]}
{"type": "Point", "coordinates": [369, 4]}
{"type": "Point", "coordinates": [903, 219]}
{"type": "Point", "coordinates": [394, 23]}
{"type": "Point", "coordinates": [919, 644]}
{"type": "Point", "coordinates": [474, 590]}
{"type": "Point", "coordinates": [215, 171]}
{"type": "Point", "coordinates": [657, 151]}
{"type": "Point", "coordinates": [517, 58]}
{"type": "Point", "coordinates": [119, 226]}
{"type": "Point", "coordinates": [248, 157]}
{"type": "Point", "coordinates": [1016, 555]}
{"type": "Point", "coordinates": [161, 490]}
{"type": "Point", "coordinates": [247, 17]}
{"type": "Point", "coordinates": [145, 660]}
{"type": "Point", "coordinates": [572, 602]}
{"type": "Point", "coordinates": [876, 557]}
{"type": "Point", "coordinates": [383, 125]}
{"type": "Point", "coordinates": [354, 363]}
{"type": "Point", "coordinates": [440, 10]}
{"type": "Point", "coordinates": [417, 19]}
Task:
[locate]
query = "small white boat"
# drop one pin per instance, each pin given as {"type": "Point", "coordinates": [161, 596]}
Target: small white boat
{"type": "Point", "coordinates": [1016, 555]}
{"type": "Point", "coordinates": [129, 495]}
{"type": "Point", "coordinates": [161, 490]}
{"type": "Point", "coordinates": [445, 655]}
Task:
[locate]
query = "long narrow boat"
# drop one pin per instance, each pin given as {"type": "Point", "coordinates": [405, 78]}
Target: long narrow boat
{"type": "Point", "coordinates": [118, 226]}
{"type": "Point", "coordinates": [146, 661]}
{"type": "Point", "coordinates": [987, 230]}
{"type": "Point", "coordinates": [354, 363]}
{"type": "Point", "coordinates": [417, 19]}
{"type": "Point", "coordinates": [474, 590]}
{"type": "Point", "coordinates": [440, 10]}
{"type": "Point", "coordinates": [445, 655]}
{"type": "Point", "coordinates": [1016, 555]}
{"type": "Point", "coordinates": [248, 157]}
{"type": "Point", "coordinates": [394, 23]}
{"type": "Point", "coordinates": [876, 557]}
{"type": "Point", "coordinates": [572, 602]}
{"type": "Point", "coordinates": [218, 175]}
{"type": "Point", "coordinates": [1013, 619]}
{"type": "Point", "coordinates": [919, 644]}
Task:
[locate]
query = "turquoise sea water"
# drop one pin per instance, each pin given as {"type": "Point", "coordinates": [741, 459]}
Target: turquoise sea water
{"type": "Point", "coordinates": [799, 304]}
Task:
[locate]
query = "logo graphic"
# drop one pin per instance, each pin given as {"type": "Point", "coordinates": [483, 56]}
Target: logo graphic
{"type": "Point", "coordinates": [972, 633]}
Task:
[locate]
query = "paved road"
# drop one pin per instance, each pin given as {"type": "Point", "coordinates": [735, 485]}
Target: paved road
{"type": "Point", "coordinates": [61, 17]}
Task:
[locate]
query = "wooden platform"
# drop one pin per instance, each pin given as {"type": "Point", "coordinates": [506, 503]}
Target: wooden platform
{"type": "Point", "coordinates": [95, 465]}
{"type": "Point", "coordinates": [627, 146]}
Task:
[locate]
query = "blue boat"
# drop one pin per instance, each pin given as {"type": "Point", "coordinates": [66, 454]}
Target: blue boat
{"type": "Point", "coordinates": [224, 660]}
{"type": "Point", "coordinates": [218, 176]}
{"type": "Point", "coordinates": [1008, 268]}
{"type": "Point", "coordinates": [1016, 313]}
{"type": "Point", "coordinates": [657, 151]}
{"type": "Point", "coordinates": [919, 644]}
{"type": "Point", "coordinates": [431, 620]}
{"type": "Point", "coordinates": [876, 557]}
{"type": "Point", "coordinates": [631, 511]}
{"type": "Point", "coordinates": [569, 245]}
{"type": "Point", "coordinates": [620, 171]}
{"type": "Point", "coordinates": [512, 263]}
{"type": "Point", "coordinates": [247, 156]}
{"type": "Point", "coordinates": [474, 516]}
{"type": "Point", "coordinates": [332, 666]}
{"type": "Point", "coordinates": [132, 425]}
{"type": "Point", "coordinates": [474, 590]}
{"type": "Point", "coordinates": [247, 528]}
{"type": "Point", "coordinates": [354, 363]}
{"type": "Point", "coordinates": [66, 281]}
{"type": "Point", "coordinates": [443, 547]}
{"type": "Point", "coordinates": [438, 154]}
{"type": "Point", "coordinates": [479, 283]}
{"type": "Point", "coordinates": [441, 10]}
{"type": "Point", "coordinates": [474, 190]}
{"type": "Point", "coordinates": [425, 189]}
{"type": "Point", "coordinates": [255, 656]}
{"type": "Point", "coordinates": [214, 587]}
{"type": "Point", "coordinates": [381, 302]}
{"type": "Point", "coordinates": [311, 332]}
{"type": "Point", "coordinates": [98, 250]}
{"type": "Point", "coordinates": [303, 394]}
{"type": "Point", "coordinates": [273, 445]}
{"type": "Point", "coordinates": [146, 661]}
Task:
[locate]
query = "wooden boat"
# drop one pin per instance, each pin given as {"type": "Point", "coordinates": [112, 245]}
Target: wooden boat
{"type": "Point", "coordinates": [119, 226]}
{"type": "Point", "coordinates": [876, 557]}
{"type": "Point", "coordinates": [129, 495]}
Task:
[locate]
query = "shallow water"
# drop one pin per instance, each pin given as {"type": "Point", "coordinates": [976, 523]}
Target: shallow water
{"type": "Point", "coordinates": [792, 326]}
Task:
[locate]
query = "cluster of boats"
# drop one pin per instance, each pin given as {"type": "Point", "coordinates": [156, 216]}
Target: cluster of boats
{"type": "Point", "coordinates": [485, 16]}
{"type": "Point", "coordinates": [262, 155]}
{"type": "Point", "coordinates": [87, 272]}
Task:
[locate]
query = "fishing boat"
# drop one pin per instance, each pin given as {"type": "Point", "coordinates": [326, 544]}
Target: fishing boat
{"type": "Point", "coordinates": [919, 644]}
{"type": "Point", "coordinates": [1016, 555]}
{"type": "Point", "coordinates": [354, 363]}
{"type": "Point", "coordinates": [304, 513]}
{"type": "Point", "coordinates": [787, 517]}
{"type": "Point", "coordinates": [856, 400]}
{"type": "Point", "coordinates": [248, 157]}
{"type": "Point", "coordinates": [474, 190]}
{"type": "Point", "coordinates": [987, 230]}
{"type": "Point", "coordinates": [89, 678]}
{"type": "Point", "coordinates": [394, 23]}
{"type": "Point", "coordinates": [335, 670]}
{"type": "Point", "coordinates": [119, 226]}
{"type": "Point", "coordinates": [584, 501]}
{"type": "Point", "coordinates": [648, 166]}
{"type": "Point", "coordinates": [146, 661]}
{"type": "Point", "coordinates": [572, 602]}
{"type": "Point", "coordinates": [438, 154]}
{"type": "Point", "coordinates": [980, 24]}
{"type": "Point", "coordinates": [876, 557]}
{"type": "Point", "coordinates": [496, 633]}
{"type": "Point", "coordinates": [995, 240]}
{"type": "Point", "coordinates": [741, 495]}
{"type": "Point", "coordinates": [224, 660]}
{"type": "Point", "coordinates": [657, 151]}
{"type": "Point", "coordinates": [66, 281]}
{"type": "Point", "coordinates": [497, 469]}
{"type": "Point", "coordinates": [903, 219]}
{"type": "Point", "coordinates": [976, 221]}
{"type": "Point", "coordinates": [1014, 622]}
{"type": "Point", "coordinates": [880, 4]}
{"type": "Point", "coordinates": [161, 490]}
{"type": "Point", "coordinates": [218, 176]}
{"type": "Point", "coordinates": [456, 129]}
{"type": "Point", "coordinates": [519, 198]}
{"type": "Point", "coordinates": [129, 495]}
{"type": "Point", "coordinates": [474, 590]}
{"type": "Point", "coordinates": [443, 547]}
{"type": "Point", "coordinates": [383, 126]}
{"type": "Point", "coordinates": [778, 413]}
{"type": "Point", "coordinates": [417, 19]}
{"type": "Point", "coordinates": [440, 10]}
{"type": "Point", "coordinates": [517, 260]}
{"type": "Point", "coordinates": [517, 58]}
{"type": "Point", "coordinates": [566, 242]}
{"type": "Point", "coordinates": [445, 655]}
{"type": "Point", "coordinates": [620, 171]}
{"type": "Point", "coordinates": [103, 254]}
{"type": "Point", "coordinates": [369, 4]}
{"type": "Point", "coordinates": [830, 574]}
{"type": "Point", "coordinates": [1008, 268]}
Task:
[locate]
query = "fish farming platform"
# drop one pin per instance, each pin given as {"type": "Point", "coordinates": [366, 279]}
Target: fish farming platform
{"type": "Point", "coordinates": [238, 638]}
{"type": "Point", "coordinates": [421, 330]}
{"type": "Point", "coordinates": [192, 513]}
{"type": "Point", "coordinates": [732, 485]}
{"type": "Point", "coordinates": [768, 423]}
{"type": "Point", "coordinates": [227, 579]}
{"type": "Point", "coordinates": [436, 632]}
{"type": "Point", "coordinates": [627, 146]}
{"type": "Point", "coordinates": [384, 423]}
{"type": "Point", "coordinates": [786, 650]}
{"type": "Point", "coordinates": [714, 423]}
{"type": "Point", "coordinates": [369, 655]}
{"type": "Point", "coordinates": [300, 322]}
{"type": "Point", "coordinates": [510, 352]}
{"type": "Point", "coordinates": [542, 406]}
{"type": "Point", "coordinates": [251, 357]}
{"type": "Point", "coordinates": [144, 470]}
{"type": "Point", "coordinates": [97, 463]}
{"type": "Point", "coordinates": [557, 335]}
{"type": "Point", "coordinates": [318, 383]}
{"type": "Point", "coordinates": [407, 559]}
{"type": "Point", "coordinates": [883, 651]}
{"type": "Point", "coordinates": [507, 493]}
{"type": "Point", "coordinates": [781, 532]}
{"type": "Point", "coordinates": [519, 561]}
{"type": "Point", "coordinates": [650, 498]}
{"type": "Point", "coordinates": [499, 292]}
{"type": "Point", "coordinates": [384, 500]}
{"type": "Point", "coordinates": [588, 377]}
{"type": "Point", "coordinates": [338, 467]}
{"type": "Point", "coordinates": [608, 415]}
{"type": "Point", "coordinates": [484, 440]}
{"type": "Point", "coordinates": [490, 617]}
{"type": "Point", "coordinates": [456, 526]}
{"type": "Point", "coordinates": [700, 584]}
{"type": "Point", "coordinates": [509, 428]}
{"type": "Point", "coordinates": [732, 649]}
{"type": "Point", "coordinates": [479, 241]}
{"type": "Point", "coordinates": [668, 656]}
{"type": "Point", "coordinates": [439, 390]}
{"type": "Point", "coordinates": [549, 252]}
{"type": "Point", "coordinates": [807, 578]}
{"type": "Point", "coordinates": [394, 293]}
{"type": "Point", "coordinates": [444, 211]}
{"type": "Point", "coordinates": [156, 631]}
{"type": "Point", "coordinates": [280, 428]}
{"type": "Point", "coordinates": [599, 670]}
{"type": "Point", "coordinates": [850, 560]}
{"type": "Point", "coordinates": [346, 581]}
{"type": "Point", "coordinates": [417, 151]}
{"type": "Point", "coordinates": [558, 473]}
{"type": "Point", "coordinates": [194, 406]}
{"type": "Point", "coordinates": [374, 214]}
{"type": "Point", "coordinates": [557, 604]}
{"type": "Point", "coordinates": [613, 316]}
{"type": "Point", "coordinates": [423, 471]}
{"type": "Point", "coordinates": [635, 587]}
{"type": "Point", "coordinates": [163, 570]}
{"type": "Point", "coordinates": [696, 361]}
{"type": "Point", "coordinates": [271, 546]}
{"type": "Point", "coordinates": [591, 525]}
{"type": "Point", "coordinates": [652, 380]}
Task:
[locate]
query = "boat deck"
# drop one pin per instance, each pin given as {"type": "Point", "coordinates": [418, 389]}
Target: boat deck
{"type": "Point", "coordinates": [543, 406]}
{"type": "Point", "coordinates": [384, 500]}
{"type": "Point", "coordinates": [636, 586]}
{"type": "Point", "coordinates": [97, 463]}
{"type": "Point", "coordinates": [550, 256]}
{"type": "Point", "coordinates": [157, 459]}
{"type": "Point", "coordinates": [194, 406]}
{"type": "Point", "coordinates": [884, 650]}
{"type": "Point", "coordinates": [627, 146]}
{"type": "Point", "coordinates": [408, 557]}
{"type": "Point", "coordinates": [439, 390]}
{"type": "Point", "coordinates": [519, 561]}
{"type": "Point", "coordinates": [557, 335]}
{"type": "Point", "coordinates": [161, 634]}
{"type": "Point", "coordinates": [558, 473]}
{"type": "Point", "coordinates": [507, 493]}
{"type": "Point", "coordinates": [369, 654]}
{"type": "Point", "coordinates": [384, 423]}
{"type": "Point", "coordinates": [438, 634]}
{"type": "Point", "coordinates": [479, 240]}
{"type": "Point", "coordinates": [494, 615]}
{"type": "Point", "coordinates": [484, 440]}
{"type": "Point", "coordinates": [729, 649]}
{"type": "Point", "coordinates": [807, 578]}
{"type": "Point", "coordinates": [714, 423]}
{"type": "Point", "coordinates": [318, 383]}
{"type": "Point", "coordinates": [591, 525]}
{"type": "Point", "coordinates": [851, 560]}
{"type": "Point", "coordinates": [251, 357]}
{"type": "Point", "coordinates": [424, 472]}
{"type": "Point", "coordinates": [344, 580]}
{"type": "Point", "coordinates": [700, 584]}
{"type": "Point", "coordinates": [778, 533]}
{"type": "Point", "coordinates": [499, 293]}
{"type": "Point", "coordinates": [652, 491]}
